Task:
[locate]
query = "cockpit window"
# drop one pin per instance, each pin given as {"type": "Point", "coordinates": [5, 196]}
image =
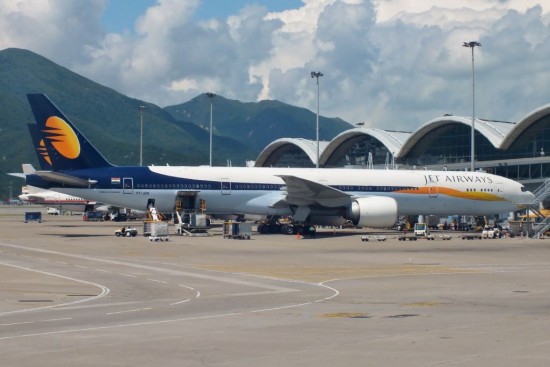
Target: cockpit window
{"type": "Point", "coordinates": [523, 189]}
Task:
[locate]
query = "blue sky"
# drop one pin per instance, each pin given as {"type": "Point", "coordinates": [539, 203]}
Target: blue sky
{"type": "Point", "coordinates": [388, 63]}
{"type": "Point", "coordinates": [121, 14]}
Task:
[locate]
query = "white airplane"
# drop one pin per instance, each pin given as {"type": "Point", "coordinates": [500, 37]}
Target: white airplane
{"type": "Point", "coordinates": [367, 198]}
{"type": "Point", "coordinates": [63, 202]}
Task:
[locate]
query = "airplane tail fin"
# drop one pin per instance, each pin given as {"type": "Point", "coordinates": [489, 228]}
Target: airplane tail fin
{"type": "Point", "coordinates": [58, 141]}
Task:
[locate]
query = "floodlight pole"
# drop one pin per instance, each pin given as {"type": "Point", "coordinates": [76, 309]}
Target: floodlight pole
{"type": "Point", "coordinates": [211, 96]}
{"type": "Point", "coordinates": [141, 108]}
{"type": "Point", "coordinates": [472, 45]}
{"type": "Point", "coordinates": [317, 75]}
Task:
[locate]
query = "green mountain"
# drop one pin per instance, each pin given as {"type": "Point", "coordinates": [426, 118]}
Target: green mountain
{"type": "Point", "coordinates": [110, 120]}
{"type": "Point", "coordinates": [256, 124]}
{"type": "Point", "coordinates": [175, 135]}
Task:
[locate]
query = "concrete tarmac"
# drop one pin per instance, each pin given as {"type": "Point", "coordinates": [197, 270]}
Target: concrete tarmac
{"type": "Point", "coordinates": [73, 294]}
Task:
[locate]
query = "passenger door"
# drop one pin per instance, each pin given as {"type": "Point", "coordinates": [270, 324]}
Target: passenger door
{"type": "Point", "coordinates": [226, 186]}
{"type": "Point", "coordinates": [127, 185]}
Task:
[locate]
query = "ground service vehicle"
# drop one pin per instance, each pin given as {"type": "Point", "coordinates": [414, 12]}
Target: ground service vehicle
{"type": "Point", "coordinates": [126, 232]}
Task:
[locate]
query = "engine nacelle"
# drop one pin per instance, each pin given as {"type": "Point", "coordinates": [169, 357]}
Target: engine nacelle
{"type": "Point", "coordinates": [373, 211]}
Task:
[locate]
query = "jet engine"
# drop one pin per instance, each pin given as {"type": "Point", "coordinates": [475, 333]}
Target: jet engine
{"type": "Point", "coordinates": [373, 211]}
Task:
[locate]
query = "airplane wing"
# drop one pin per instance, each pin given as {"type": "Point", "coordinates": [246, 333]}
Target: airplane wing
{"type": "Point", "coordinates": [34, 198]}
{"type": "Point", "coordinates": [305, 192]}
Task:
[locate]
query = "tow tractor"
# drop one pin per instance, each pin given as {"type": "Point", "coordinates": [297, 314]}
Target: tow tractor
{"type": "Point", "coordinates": [420, 231]}
{"type": "Point", "coordinates": [126, 232]}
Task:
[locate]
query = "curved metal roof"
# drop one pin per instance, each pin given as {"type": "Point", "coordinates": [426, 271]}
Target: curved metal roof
{"type": "Point", "coordinates": [524, 124]}
{"type": "Point", "coordinates": [494, 131]}
{"type": "Point", "coordinates": [309, 147]}
{"type": "Point", "coordinates": [500, 134]}
{"type": "Point", "coordinates": [392, 140]}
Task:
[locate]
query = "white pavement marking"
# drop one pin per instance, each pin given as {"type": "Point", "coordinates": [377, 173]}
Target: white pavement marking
{"type": "Point", "coordinates": [168, 321]}
{"type": "Point", "coordinates": [127, 311]}
{"type": "Point", "coordinates": [157, 281]}
{"type": "Point", "coordinates": [60, 319]}
{"type": "Point", "coordinates": [174, 272]}
{"type": "Point", "coordinates": [104, 291]}
{"type": "Point", "coordinates": [216, 278]}
{"type": "Point", "coordinates": [197, 294]}
{"type": "Point", "coordinates": [180, 302]}
{"type": "Point", "coordinates": [18, 323]}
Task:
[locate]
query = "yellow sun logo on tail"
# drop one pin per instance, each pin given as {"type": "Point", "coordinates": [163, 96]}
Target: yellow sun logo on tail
{"type": "Point", "coordinates": [62, 137]}
{"type": "Point", "coordinates": [43, 152]}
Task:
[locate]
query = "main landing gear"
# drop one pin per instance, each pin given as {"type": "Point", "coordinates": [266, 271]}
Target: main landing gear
{"type": "Point", "coordinates": [276, 225]}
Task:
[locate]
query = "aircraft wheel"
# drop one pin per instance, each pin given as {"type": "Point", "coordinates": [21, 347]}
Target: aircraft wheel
{"type": "Point", "coordinates": [286, 229]}
{"type": "Point", "coordinates": [263, 228]}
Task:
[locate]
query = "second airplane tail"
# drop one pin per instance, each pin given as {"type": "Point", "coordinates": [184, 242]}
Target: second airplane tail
{"type": "Point", "coordinates": [58, 141]}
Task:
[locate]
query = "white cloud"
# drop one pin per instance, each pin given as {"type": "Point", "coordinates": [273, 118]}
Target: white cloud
{"type": "Point", "coordinates": [56, 29]}
{"type": "Point", "coordinates": [390, 63]}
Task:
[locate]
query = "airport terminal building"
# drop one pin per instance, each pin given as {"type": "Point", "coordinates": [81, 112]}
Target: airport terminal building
{"type": "Point", "coordinates": [514, 150]}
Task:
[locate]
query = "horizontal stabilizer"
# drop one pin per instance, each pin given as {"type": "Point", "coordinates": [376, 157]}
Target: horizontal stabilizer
{"type": "Point", "coordinates": [64, 179]}
{"type": "Point", "coordinates": [28, 169]}
{"type": "Point", "coordinates": [17, 174]}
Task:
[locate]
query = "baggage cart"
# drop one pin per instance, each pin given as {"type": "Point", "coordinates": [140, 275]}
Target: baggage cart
{"type": "Point", "coordinates": [236, 230]}
{"type": "Point", "coordinates": [157, 230]}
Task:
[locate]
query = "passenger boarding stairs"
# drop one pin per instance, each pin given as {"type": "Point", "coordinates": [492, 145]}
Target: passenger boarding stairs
{"type": "Point", "coordinates": [541, 193]}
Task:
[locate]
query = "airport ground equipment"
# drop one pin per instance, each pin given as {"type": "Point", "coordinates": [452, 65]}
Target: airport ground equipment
{"type": "Point", "coordinates": [407, 236]}
{"type": "Point", "coordinates": [126, 232]}
{"type": "Point", "coordinates": [367, 238]}
{"type": "Point", "coordinates": [156, 226]}
{"type": "Point", "coordinates": [33, 217]}
{"type": "Point", "coordinates": [471, 236]}
{"type": "Point", "coordinates": [490, 233]}
{"type": "Point", "coordinates": [158, 230]}
{"type": "Point", "coordinates": [192, 224]}
{"type": "Point", "coordinates": [52, 211]}
{"type": "Point", "coordinates": [93, 217]}
{"type": "Point", "coordinates": [237, 230]}
{"type": "Point", "coordinates": [413, 237]}
{"type": "Point", "coordinates": [421, 229]}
